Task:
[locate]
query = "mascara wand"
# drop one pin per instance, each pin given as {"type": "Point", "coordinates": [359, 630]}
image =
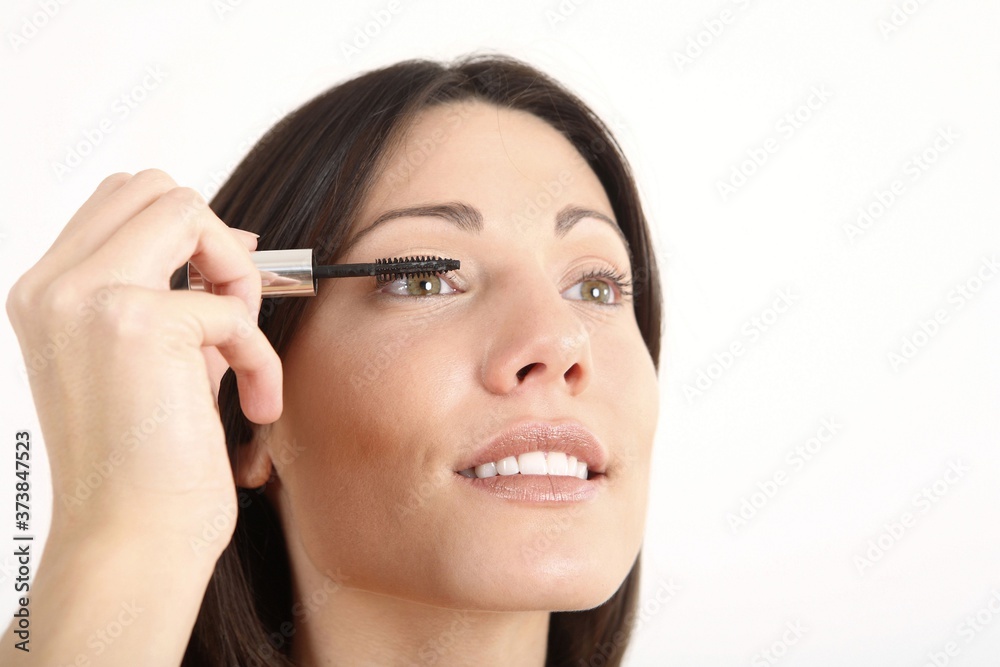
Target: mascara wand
{"type": "Point", "coordinates": [295, 272]}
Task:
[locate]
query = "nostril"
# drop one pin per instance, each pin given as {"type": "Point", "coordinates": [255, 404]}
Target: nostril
{"type": "Point", "coordinates": [524, 371]}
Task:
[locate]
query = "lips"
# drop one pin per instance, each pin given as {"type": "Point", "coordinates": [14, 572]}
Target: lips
{"type": "Point", "coordinates": [569, 438]}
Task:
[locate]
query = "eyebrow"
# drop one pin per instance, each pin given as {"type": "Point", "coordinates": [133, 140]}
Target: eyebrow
{"type": "Point", "coordinates": [469, 219]}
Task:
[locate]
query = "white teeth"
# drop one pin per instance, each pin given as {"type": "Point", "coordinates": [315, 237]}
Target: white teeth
{"type": "Point", "coordinates": [556, 464]}
{"type": "Point", "coordinates": [531, 463]}
{"type": "Point", "coordinates": [486, 470]}
{"type": "Point", "coordinates": [507, 466]}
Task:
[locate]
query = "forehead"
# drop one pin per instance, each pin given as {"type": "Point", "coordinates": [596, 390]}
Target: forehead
{"type": "Point", "coordinates": [494, 158]}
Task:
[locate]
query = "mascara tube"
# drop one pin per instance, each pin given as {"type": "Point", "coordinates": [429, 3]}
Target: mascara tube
{"type": "Point", "coordinates": [282, 273]}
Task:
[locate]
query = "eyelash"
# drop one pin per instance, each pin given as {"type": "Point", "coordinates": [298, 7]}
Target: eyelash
{"type": "Point", "coordinates": [618, 279]}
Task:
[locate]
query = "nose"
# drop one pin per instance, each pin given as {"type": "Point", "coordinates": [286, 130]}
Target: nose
{"type": "Point", "coordinates": [537, 338]}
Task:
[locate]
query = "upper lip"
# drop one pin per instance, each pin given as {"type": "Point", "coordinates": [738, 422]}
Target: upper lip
{"type": "Point", "coordinates": [569, 437]}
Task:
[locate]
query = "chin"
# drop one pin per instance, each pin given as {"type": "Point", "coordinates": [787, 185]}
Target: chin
{"type": "Point", "coordinates": [554, 580]}
{"type": "Point", "coordinates": [581, 596]}
{"type": "Point", "coordinates": [557, 595]}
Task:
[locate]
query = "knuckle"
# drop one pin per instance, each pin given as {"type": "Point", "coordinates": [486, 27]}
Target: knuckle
{"type": "Point", "coordinates": [154, 178]}
{"type": "Point", "coordinates": [62, 298]}
{"type": "Point", "coordinates": [115, 180]}
{"type": "Point", "coordinates": [188, 201]}
{"type": "Point", "coordinates": [19, 299]}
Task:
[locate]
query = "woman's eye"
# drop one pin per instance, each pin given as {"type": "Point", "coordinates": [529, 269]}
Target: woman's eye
{"type": "Point", "coordinates": [593, 290]}
{"type": "Point", "coordinates": [422, 285]}
{"type": "Point", "coordinates": [604, 287]}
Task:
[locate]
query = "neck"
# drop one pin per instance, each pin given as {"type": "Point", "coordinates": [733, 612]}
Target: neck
{"type": "Point", "coordinates": [354, 627]}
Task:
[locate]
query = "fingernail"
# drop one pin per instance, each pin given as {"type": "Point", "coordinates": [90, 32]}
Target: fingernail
{"type": "Point", "coordinates": [244, 231]}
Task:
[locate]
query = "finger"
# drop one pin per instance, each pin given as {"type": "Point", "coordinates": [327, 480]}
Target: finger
{"type": "Point", "coordinates": [223, 322]}
{"type": "Point", "coordinates": [117, 199]}
{"type": "Point", "coordinates": [257, 368]}
{"type": "Point", "coordinates": [248, 239]}
{"type": "Point", "coordinates": [178, 227]}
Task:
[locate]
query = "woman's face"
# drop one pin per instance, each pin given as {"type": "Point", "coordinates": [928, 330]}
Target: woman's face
{"type": "Point", "coordinates": [391, 389]}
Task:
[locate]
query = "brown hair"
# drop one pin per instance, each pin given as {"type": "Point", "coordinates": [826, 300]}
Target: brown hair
{"type": "Point", "coordinates": [315, 166]}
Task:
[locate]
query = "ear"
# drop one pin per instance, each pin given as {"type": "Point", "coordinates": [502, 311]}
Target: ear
{"type": "Point", "coordinates": [253, 461]}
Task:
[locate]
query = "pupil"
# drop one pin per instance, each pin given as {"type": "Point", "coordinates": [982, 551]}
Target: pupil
{"type": "Point", "coordinates": [597, 290]}
{"type": "Point", "coordinates": [422, 285]}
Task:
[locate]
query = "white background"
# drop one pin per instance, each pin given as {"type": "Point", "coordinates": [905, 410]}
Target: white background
{"type": "Point", "coordinates": [229, 72]}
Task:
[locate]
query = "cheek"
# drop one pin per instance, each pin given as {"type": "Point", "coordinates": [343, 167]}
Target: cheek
{"type": "Point", "coordinates": [629, 376]}
{"type": "Point", "coordinates": [630, 387]}
{"type": "Point", "coordinates": [369, 418]}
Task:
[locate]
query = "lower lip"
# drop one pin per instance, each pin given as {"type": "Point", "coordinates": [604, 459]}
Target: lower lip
{"type": "Point", "coordinates": [545, 489]}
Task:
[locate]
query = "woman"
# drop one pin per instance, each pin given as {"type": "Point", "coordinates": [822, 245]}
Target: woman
{"type": "Point", "coordinates": [366, 524]}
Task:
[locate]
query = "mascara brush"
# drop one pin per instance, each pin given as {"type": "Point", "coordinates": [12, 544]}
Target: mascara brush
{"type": "Point", "coordinates": [295, 272]}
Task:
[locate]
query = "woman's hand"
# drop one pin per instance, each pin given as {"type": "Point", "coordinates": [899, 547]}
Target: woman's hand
{"type": "Point", "coordinates": [125, 372]}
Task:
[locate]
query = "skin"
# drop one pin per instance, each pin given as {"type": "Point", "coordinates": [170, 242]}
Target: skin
{"type": "Point", "coordinates": [396, 558]}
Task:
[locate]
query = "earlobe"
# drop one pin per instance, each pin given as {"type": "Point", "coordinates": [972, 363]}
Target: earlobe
{"type": "Point", "coordinates": [253, 463]}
